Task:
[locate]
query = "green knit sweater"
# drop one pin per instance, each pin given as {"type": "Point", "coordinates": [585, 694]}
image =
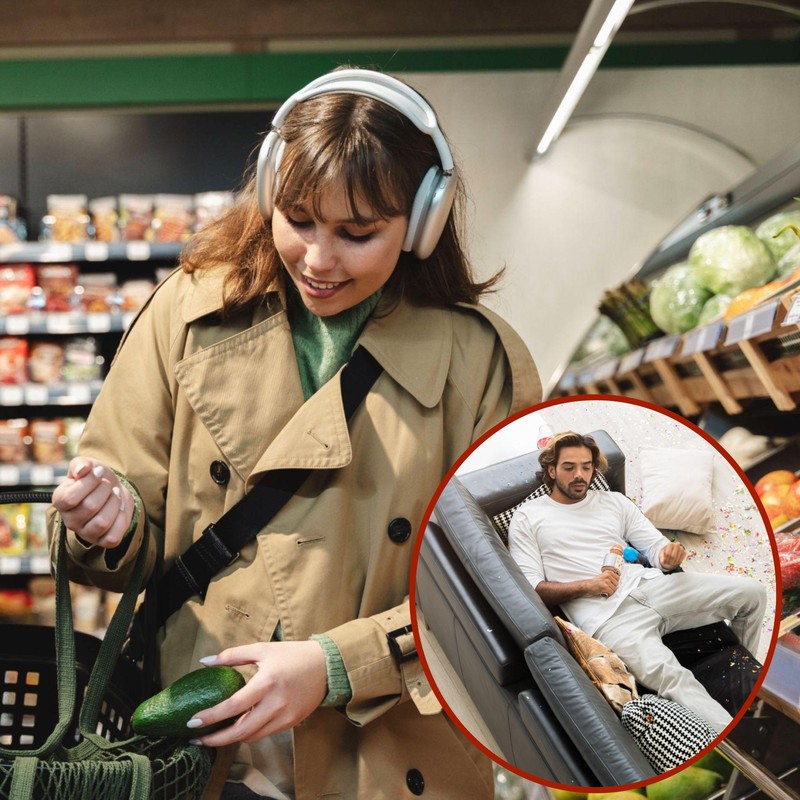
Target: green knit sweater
{"type": "Point", "coordinates": [322, 346]}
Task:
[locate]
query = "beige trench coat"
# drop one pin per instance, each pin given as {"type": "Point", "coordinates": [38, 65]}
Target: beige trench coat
{"type": "Point", "coordinates": [186, 391]}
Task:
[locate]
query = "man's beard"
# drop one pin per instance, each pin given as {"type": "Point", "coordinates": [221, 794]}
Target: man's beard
{"type": "Point", "coordinates": [576, 490]}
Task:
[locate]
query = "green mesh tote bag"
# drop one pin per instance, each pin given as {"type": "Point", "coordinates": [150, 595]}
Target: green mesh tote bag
{"type": "Point", "coordinates": [64, 723]}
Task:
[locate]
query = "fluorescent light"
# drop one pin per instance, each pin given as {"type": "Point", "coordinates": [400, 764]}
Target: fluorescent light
{"type": "Point", "coordinates": [597, 30]}
{"type": "Point", "coordinates": [569, 101]}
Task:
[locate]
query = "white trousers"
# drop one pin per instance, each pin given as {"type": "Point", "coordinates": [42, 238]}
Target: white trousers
{"type": "Point", "coordinates": [673, 603]}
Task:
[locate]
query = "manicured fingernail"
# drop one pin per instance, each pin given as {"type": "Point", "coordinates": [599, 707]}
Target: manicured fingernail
{"type": "Point", "coordinates": [195, 741]}
{"type": "Point", "coordinates": [98, 471]}
{"type": "Point", "coordinates": [195, 723]}
{"type": "Point", "coordinates": [117, 492]}
{"type": "Point", "coordinates": [208, 660]}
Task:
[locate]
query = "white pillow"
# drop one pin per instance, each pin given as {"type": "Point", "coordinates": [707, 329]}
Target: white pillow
{"type": "Point", "coordinates": [677, 488]}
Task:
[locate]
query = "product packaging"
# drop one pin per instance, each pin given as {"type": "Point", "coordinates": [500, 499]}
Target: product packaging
{"type": "Point", "coordinates": [81, 360]}
{"type": "Point", "coordinates": [67, 219]}
{"type": "Point", "coordinates": [46, 362]}
{"type": "Point", "coordinates": [105, 219]}
{"type": "Point", "coordinates": [16, 283]}
{"type": "Point", "coordinates": [58, 282]}
{"type": "Point", "coordinates": [48, 442]}
{"type": "Point", "coordinates": [13, 360]}
{"type": "Point", "coordinates": [15, 441]}
{"type": "Point", "coordinates": [12, 228]}
{"type": "Point", "coordinates": [135, 216]}
{"type": "Point", "coordinates": [210, 206]}
{"type": "Point", "coordinates": [13, 528]}
{"type": "Point", "coordinates": [173, 218]}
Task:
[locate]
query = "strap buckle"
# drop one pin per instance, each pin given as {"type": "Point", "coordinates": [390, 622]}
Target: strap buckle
{"type": "Point", "coordinates": [400, 654]}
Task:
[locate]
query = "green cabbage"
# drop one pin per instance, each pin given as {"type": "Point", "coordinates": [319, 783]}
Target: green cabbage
{"type": "Point", "coordinates": [714, 308]}
{"type": "Point", "coordinates": [730, 259]}
{"type": "Point", "coordinates": [768, 230]}
{"type": "Point", "coordinates": [677, 298]}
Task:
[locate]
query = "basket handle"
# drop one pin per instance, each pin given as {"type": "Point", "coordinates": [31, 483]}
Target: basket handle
{"type": "Point", "coordinates": [110, 647]}
{"type": "Point", "coordinates": [113, 641]}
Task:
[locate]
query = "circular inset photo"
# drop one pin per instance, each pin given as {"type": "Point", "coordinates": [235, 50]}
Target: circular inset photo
{"type": "Point", "coordinates": [595, 594]}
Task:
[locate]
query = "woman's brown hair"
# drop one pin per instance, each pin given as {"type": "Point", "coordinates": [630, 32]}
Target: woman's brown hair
{"type": "Point", "coordinates": [380, 158]}
{"type": "Point", "coordinates": [548, 457]}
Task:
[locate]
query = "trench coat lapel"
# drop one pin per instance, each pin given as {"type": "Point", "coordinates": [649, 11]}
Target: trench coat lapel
{"type": "Point", "coordinates": [246, 388]}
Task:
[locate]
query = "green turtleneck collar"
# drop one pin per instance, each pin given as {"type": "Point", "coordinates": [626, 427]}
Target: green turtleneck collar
{"type": "Point", "coordinates": [322, 345]}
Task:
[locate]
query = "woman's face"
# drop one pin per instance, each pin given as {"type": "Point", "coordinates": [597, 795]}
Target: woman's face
{"type": "Point", "coordinates": [334, 262]}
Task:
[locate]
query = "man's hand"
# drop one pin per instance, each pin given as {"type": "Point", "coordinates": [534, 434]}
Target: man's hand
{"type": "Point", "coordinates": [672, 556]}
{"type": "Point", "coordinates": [605, 584]}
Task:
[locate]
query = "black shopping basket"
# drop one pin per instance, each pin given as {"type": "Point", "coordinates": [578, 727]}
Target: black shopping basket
{"type": "Point", "coordinates": [66, 702]}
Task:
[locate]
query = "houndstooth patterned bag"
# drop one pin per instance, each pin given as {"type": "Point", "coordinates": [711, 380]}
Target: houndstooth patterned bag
{"type": "Point", "coordinates": [667, 733]}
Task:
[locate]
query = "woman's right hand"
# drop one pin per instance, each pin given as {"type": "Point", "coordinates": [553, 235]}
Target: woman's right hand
{"type": "Point", "coordinates": [93, 503]}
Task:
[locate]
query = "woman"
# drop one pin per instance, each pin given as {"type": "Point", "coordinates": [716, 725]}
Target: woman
{"type": "Point", "coordinates": [233, 370]}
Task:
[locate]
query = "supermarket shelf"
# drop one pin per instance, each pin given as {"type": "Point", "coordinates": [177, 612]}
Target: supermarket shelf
{"type": "Point", "coordinates": [67, 322]}
{"type": "Point", "coordinates": [79, 393]}
{"type": "Point", "coordinates": [24, 564]}
{"type": "Point", "coordinates": [57, 253]}
{"type": "Point", "coordinates": [30, 474]}
{"type": "Point", "coordinates": [755, 355]}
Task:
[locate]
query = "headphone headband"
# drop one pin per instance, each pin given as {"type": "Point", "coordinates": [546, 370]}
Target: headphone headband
{"type": "Point", "coordinates": [378, 86]}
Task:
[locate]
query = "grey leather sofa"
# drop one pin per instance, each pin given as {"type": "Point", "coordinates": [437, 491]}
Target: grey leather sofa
{"type": "Point", "coordinates": [544, 713]}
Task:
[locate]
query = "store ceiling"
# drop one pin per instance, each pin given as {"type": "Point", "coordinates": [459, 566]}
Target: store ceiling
{"type": "Point", "coordinates": [255, 25]}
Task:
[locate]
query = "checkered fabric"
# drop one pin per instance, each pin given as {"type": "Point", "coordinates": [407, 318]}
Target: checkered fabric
{"type": "Point", "coordinates": [502, 520]}
{"type": "Point", "coordinates": [667, 733]}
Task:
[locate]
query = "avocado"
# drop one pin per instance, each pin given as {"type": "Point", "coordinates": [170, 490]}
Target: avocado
{"type": "Point", "coordinates": [566, 794]}
{"type": "Point", "coordinates": [716, 762]}
{"type": "Point", "coordinates": [166, 713]}
{"type": "Point", "coordinates": [693, 783]}
{"type": "Point", "coordinates": [628, 794]}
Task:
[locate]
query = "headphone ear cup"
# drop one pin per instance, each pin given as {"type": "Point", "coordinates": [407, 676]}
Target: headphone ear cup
{"type": "Point", "coordinates": [269, 159]}
{"type": "Point", "coordinates": [419, 208]}
{"type": "Point", "coordinates": [429, 212]}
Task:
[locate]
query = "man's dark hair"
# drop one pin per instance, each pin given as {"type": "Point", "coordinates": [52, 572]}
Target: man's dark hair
{"type": "Point", "coordinates": [550, 454]}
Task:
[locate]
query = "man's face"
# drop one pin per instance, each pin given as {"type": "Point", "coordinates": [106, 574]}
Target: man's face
{"type": "Point", "coordinates": [572, 474]}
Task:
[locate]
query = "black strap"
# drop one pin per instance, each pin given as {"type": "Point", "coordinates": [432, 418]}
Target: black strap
{"type": "Point", "coordinates": [222, 540]}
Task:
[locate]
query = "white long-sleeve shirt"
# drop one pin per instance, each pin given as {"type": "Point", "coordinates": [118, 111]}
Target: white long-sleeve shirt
{"type": "Point", "coordinates": [561, 542]}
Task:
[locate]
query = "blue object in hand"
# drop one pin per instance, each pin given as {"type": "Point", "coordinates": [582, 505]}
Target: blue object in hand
{"type": "Point", "coordinates": [630, 554]}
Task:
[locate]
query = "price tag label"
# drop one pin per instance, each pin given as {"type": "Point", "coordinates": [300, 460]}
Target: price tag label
{"type": "Point", "coordinates": [62, 322]}
{"type": "Point", "coordinates": [10, 565]}
{"type": "Point", "coordinates": [127, 319]}
{"type": "Point", "coordinates": [630, 361]}
{"type": "Point", "coordinates": [57, 252]}
{"type": "Point", "coordinates": [36, 394]}
{"type": "Point", "coordinates": [98, 322]}
{"type": "Point", "coordinates": [96, 251]}
{"type": "Point", "coordinates": [661, 348]}
{"type": "Point", "coordinates": [702, 339]}
{"type": "Point", "coordinates": [12, 395]}
{"type": "Point", "coordinates": [42, 475]}
{"type": "Point", "coordinates": [793, 315]}
{"type": "Point", "coordinates": [9, 475]}
{"type": "Point", "coordinates": [79, 394]}
{"type": "Point", "coordinates": [752, 323]}
{"type": "Point", "coordinates": [138, 251]}
{"type": "Point", "coordinates": [606, 371]}
{"type": "Point", "coordinates": [17, 325]}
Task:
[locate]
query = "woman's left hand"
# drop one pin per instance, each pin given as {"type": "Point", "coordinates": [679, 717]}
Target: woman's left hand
{"type": "Point", "coordinates": [290, 683]}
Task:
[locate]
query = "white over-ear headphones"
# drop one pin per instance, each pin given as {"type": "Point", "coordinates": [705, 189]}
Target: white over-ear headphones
{"type": "Point", "coordinates": [434, 198]}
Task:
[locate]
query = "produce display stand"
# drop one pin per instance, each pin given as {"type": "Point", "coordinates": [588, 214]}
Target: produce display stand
{"type": "Point", "coordinates": [754, 355]}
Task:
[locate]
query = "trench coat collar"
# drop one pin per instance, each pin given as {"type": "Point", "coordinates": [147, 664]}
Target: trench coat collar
{"type": "Point", "coordinates": [412, 344]}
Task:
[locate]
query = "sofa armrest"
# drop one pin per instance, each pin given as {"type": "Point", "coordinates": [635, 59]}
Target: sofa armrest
{"type": "Point", "coordinates": [587, 718]}
{"type": "Point", "coordinates": [489, 564]}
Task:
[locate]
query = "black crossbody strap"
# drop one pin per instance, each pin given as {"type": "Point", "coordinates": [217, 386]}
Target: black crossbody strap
{"type": "Point", "coordinates": [222, 540]}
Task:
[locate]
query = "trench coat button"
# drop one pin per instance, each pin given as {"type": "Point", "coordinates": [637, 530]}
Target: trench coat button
{"type": "Point", "coordinates": [415, 781]}
{"type": "Point", "coordinates": [399, 530]}
{"type": "Point", "coordinates": [220, 472]}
